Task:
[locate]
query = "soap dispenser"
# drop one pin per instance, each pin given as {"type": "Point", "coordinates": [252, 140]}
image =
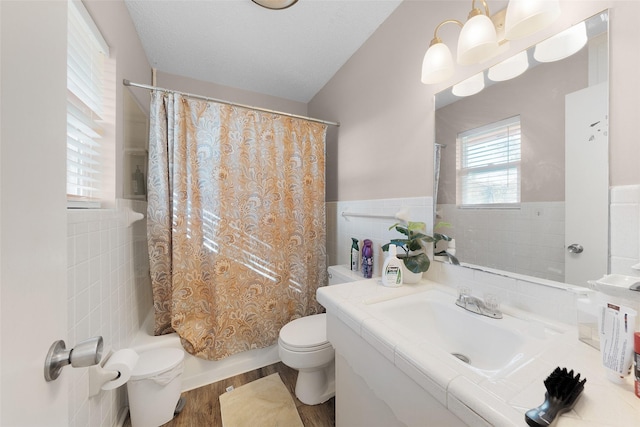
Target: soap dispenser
{"type": "Point", "coordinates": [392, 269]}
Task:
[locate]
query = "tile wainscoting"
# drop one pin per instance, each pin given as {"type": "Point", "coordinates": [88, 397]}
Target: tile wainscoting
{"type": "Point", "coordinates": [547, 297]}
{"type": "Point", "coordinates": [341, 229]}
{"type": "Point", "coordinates": [625, 229]}
{"type": "Point", "coordinates": [109, 293]}
{"type": "Point", "coordinates": [528, 240]}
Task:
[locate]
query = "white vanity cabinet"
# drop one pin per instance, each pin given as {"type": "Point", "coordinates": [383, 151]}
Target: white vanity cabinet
{"type": "Point", "coordinates": [373, 392]}
{"type": "Point", "coordinates": [391, 373]}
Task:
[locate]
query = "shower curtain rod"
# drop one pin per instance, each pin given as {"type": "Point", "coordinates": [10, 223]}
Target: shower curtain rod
{"type": "Point", "coordinates": [221, 101]}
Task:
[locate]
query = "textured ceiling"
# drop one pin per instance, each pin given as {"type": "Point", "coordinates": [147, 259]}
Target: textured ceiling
{"type": "Point", "coordinates": [289, 53]}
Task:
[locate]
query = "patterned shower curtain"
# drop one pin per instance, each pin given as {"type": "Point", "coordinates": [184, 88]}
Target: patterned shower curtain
{"type": "Point", "coordinates": [236, 222]}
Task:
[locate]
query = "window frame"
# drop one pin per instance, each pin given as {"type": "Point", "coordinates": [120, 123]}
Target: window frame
{"type": "Point", "coordinates": [513, 160]}
{"type": "Point", "coordinates": [87, 118]}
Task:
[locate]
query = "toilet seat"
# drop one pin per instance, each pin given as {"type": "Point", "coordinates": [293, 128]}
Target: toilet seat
{"type": "Point", "coordinates": [305, 334]}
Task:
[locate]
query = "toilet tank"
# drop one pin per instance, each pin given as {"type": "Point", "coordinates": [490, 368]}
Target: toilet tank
{"type": "Point", "coordinates": [342, 274]}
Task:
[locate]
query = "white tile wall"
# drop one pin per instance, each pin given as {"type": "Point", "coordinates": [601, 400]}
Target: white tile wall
{"type": "Point", "coordinates": [109, 293]}
{"type": "Point", "coordinates": [551, 299]}
{"type": "Point", "coordinates": [341, 229]}
{"type": "Point", "coordinates": [625, 229]}
{"type": "Point", "coordinates": [529, 240]}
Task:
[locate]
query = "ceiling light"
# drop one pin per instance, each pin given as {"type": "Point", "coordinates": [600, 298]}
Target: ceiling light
{"type": "Point", "coordinates": [478, 40]}
{"type": "Point", "coordinates": [470, 86]}
{"type": "Point", "coordinates": [562, 45]}
{"type": "Point", "coordinates": [525, 17]}
{"type": "Point", "coordinates": [509, 68]}
{"type": "Point", "coordinates": [275, 4]}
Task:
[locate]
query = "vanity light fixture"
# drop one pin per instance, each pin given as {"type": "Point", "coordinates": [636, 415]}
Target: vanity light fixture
{"type": "Point", "coordinates": [509, 68]}
{"type": "Point", "coordinates": [478, 40]}
{"type": "Point", "coordinates": [562, 45]}
{"type": "Point", "coordinates": [470, 86]}
{"type": "Point", "coordinates": [275, 4]}
{"type": "Point", "coordinates": [482, 35]}
{"type": "Point", "coordinates": [525, 17]}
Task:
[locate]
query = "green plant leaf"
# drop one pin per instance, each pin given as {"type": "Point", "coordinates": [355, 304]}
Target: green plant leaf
{"type": "Point", "coordinates": [442, 224]}
{"type": "Point", "coordinates": [439, 236]}
{"type": "Point", "coordinates": [413, 226]}
{"type": "Point", "coordinates": [402, 230]}
{"type": "Point", "coordinates": [417, 263]}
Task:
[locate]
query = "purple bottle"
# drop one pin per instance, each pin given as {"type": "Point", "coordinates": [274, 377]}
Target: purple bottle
{"type": "Point", "coordinates": [367, 259]}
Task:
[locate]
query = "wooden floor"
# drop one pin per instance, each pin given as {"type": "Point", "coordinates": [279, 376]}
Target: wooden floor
{"type": "Point", "coordinates": [202, 408]}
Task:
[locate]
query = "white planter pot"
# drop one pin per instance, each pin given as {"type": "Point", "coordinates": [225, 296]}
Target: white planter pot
{"type": "Point", "coordinates": [409, 277]}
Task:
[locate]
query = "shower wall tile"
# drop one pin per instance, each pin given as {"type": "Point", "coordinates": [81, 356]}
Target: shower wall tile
{"type": "Point", "coordinates": [109, 294]}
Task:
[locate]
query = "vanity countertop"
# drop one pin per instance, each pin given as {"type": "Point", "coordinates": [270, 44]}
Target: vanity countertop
{"type": "Point", "coordinates": [499, 401]}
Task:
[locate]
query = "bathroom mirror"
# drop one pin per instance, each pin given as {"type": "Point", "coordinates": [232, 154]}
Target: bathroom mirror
{"type": "Point", "coordinates": [539, 206]}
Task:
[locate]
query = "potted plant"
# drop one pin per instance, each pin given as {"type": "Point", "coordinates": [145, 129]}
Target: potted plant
{"type": "Point", "coordinates": [415, 258]}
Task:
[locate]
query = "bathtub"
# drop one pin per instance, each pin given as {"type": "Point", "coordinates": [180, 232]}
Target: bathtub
{"type": "Point", "coordinates": [199, 372]}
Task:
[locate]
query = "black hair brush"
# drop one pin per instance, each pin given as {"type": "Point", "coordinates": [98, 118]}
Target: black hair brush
{"type": "Point", "coordinates": [563, 390]}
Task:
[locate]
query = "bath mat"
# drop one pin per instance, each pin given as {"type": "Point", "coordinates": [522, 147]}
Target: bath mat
{"type": "Point", "coordinates": [265, 402]}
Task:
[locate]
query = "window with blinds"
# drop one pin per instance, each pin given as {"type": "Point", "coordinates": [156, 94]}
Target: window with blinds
{"type": "Point", "coordinates": [86, 55]}
{"type": "Point", "coordinates": [489, 165]}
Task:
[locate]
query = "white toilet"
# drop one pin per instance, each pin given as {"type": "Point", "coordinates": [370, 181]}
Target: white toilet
{"type": "Point", "coordinates": [303, 346]}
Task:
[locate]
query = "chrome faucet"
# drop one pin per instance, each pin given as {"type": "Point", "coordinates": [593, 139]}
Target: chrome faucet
{"type": "Point", "coordinates": [479, 306]}
{"type": "Point", "coordinates": [452, 259]}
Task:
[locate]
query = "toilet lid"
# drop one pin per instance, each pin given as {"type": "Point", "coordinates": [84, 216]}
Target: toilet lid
{"type": "Point", "coordinates": [154, 362]}
{"type": "Point", "coordinates": [305, 332]}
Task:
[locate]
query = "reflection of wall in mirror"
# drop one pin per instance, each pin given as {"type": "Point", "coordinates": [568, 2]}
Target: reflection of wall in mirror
{"type": "Point", "coordinates": [542, 119]}
{"type": "Point", "coordinates": [528, 240]}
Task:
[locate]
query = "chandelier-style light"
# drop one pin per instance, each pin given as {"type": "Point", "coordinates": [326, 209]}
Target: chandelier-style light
{"type": "Point", "coordinates": [478, 40]}
{"type": "Point", "coordinates": [275, 4]}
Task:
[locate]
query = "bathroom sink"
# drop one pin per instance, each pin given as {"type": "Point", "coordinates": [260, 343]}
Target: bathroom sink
{"type": "Point", "coordinates": [487, 345]}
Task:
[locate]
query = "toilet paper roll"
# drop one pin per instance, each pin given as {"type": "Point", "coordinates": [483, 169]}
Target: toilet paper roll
{"type": "Point", "coordinates": [122, 361]}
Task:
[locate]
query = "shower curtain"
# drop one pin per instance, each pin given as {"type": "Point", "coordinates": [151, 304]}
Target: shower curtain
{"type": "Point", "coordinates": [236, 222]}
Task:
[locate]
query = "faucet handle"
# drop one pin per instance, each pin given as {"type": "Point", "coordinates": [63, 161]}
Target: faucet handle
{"type": "Point", "coordinates": [492, 302]}
{"type": "Point", "coordinates": [463, 291]}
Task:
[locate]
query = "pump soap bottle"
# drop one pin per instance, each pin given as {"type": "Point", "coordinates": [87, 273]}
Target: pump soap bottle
{"type": "Point", "coordinates": [392, 269]}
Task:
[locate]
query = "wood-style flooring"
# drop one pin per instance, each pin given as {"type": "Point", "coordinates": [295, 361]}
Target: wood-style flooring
{"type": "Point", "coordinates": [202, 408]}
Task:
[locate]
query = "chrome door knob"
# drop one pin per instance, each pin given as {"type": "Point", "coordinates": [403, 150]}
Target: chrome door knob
{"type": "Point", "coordinates": [575, 248]}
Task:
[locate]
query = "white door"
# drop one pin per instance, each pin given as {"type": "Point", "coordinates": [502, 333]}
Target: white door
{"type": "Point", "coordinates": [33, 291]}
{"type": "Point", "coordinates": [587, 184]}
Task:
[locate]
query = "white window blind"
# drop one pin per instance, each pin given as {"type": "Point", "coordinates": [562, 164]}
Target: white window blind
{"type": "Point", "coordinates": [86, 54]}
{"type": "Point", "coordinates": [489, 164]}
